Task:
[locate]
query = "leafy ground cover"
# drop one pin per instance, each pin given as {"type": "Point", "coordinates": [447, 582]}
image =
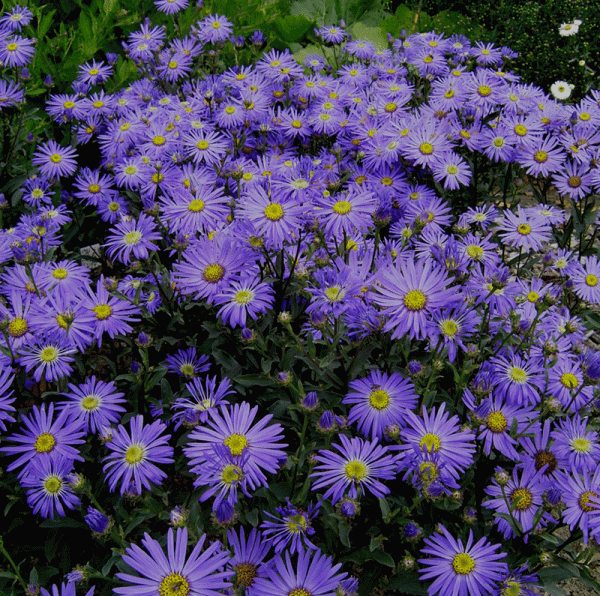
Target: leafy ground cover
{"type": "Point", "coordinates": [275, 318]}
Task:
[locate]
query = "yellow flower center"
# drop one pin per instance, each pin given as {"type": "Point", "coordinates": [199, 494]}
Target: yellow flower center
{"type": "Point", "coordinates": [130, 170]}
{"type": "Point", "coordinates": [591, 280]}
{"type": "Point", "coordinates": [55, 158]}
{"type": "Point", "coordinates": [524, 229]}
{"type": "Point", "coordinates": [574, 181]}
{"type": "Point", "coordinates": [90, 403]}
{"type": "Point", "coordinates": [18, 327]}
{"type": "Point", "coordinates": [159, 140]}
{"type": "Point", "coordinates": [426, 148]}
{"type": "Point", "coordinates": [174, 585]}
{"type": "Point", "coordinates": [94, 71]}
{"type": "Point", "coordinates": [202, 145]}
{"type": "Point", "coordinates": [533, 297]}
{"type": "Point", "coordinates": [49, 355]}
{"type": "Point", "coordinates": [274, 212]}
{"type": "Point", "coordinates": [520, 130]}
{"type": "Point", "coordinates": [245, 574]}
{"type": "Point", "coordinates": [498, 142]}
{"type": "Point", "coordinates": [518, 375]}
{"type": "Point", "coordinates": [196, 206]}
{"type": "Point", "coordinates": [355, 470]}
{"type": "Point", "coordinates": [475, 251]}
{"type": "Point", "coordinates": [543, 458]}
{"type": "Point", "coordinates": [68, 104]}
{"type": "Point", "coordinates": [335, 293]}
{"type": "Point", "coordinates": [299, 592]}
{"type": "Point", "coordinates": [484, 90]}
{"type": "Point", "coordinates": [449, 328]}
{"type": "Point", "coordinates": [581, 445]}
{"type": "Point", "coordinates": [387, 181]}
{"type": "Point", "coordinates": [103, 311]}
{"type": "Point", "coordinates": [60, 319]}
{"type": "Point", "coordinates": [415, 300]}
{"type": "Point", "coordinates": [521, 498]}
{"type": "Point", "coordinates": [297, 524]}
{"type": "Point", "coordinates": [44, 443]}
{"type": "Point", "coordinates": [173, 65]}
{"type": "Point", "coordinates": [390, 107]}
{"type": "Point", "coordinates": [379, 399]}
{"type": "Point", "coordinates": [585, 502]}
{"type": "Point", "coordinates": [243, 297]}
{"type": "Point", "coordinates": [463, 564]}
{"type": "Point", "coordinates": [11, 47]}
{"type": "Point", "coordinates": [296, 124]}
{"type": "Point", "coordinates": [431, 442]}
{"type": "Point", "coordinates": [213, 273]}
{"type": "Point", "coordinates": [540, 156]}
{"type": "Point", "coordinates": [512, 589]}
{"type": "Point", "coordinates": [98, 104]}
{"type": "Point", "coordinates": [236, 444]}
{"type": "Point", "coordinates": [113, 206]}
{"type": "Point", "coordinates": [53, 484]}
{"type": "Point", "coordinates": [134, 455]}
{"type": "Point", "coordinates": [569, 380]}
{"type": "Point", "coordinates": [132, 238]}
{"type": "Point", "coordinates": [496, 422]}
{"type": "Point", "coordinates": [231, 474]}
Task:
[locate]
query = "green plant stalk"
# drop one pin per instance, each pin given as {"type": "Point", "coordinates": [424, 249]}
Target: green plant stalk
{"type": "Point", "coordinates": [15, 567]}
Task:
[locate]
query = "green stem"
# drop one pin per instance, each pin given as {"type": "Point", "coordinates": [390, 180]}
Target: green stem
{"type": "Point", "coordinates": [15, 567]}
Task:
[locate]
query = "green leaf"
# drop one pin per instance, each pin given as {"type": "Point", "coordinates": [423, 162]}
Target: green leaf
{"type": "Point", "coordinates": [7, 575]}
{"type": "Point", "coordinates": [384, 558]}
{"type": "Point", "coordinates": [292, 28]}
{"type": "Point", "coordinates": [110, 6]}
{"type": "Point", "coordinates": [377, 35]}
{"type": "Point", "coordinates": [63, 522]}
{"type": "Point", "coordinates": [254, 380]}
{"type": "Point", "coordinates": [408, 583]}
{"type": "Point", "coordinates": [44, 24]}
{"type": "Point", "coordinates": [344, 534]}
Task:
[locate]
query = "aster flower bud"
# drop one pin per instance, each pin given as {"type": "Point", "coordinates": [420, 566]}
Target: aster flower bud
{"type": "Point", "coordinates": [248, 335]}
{"type": "Point", "coordinates": [348, 507]}
{"type": "Point", "coordinates": [310, 401]}
{"type": "Point", "coordinates": [284, 317]}
{"type": "Point", "coordinates": [470, 515]}
{"type": "Point", "coordinates": [327, 422]}
{"type": "Point", "coordinates": [178, 517]}
{"type": "Point", "coordinates": [412, 531]}
{"type": "Point", "coordinates": [143, 340]}
{"type": "Point", "coordinates": [284, 378]}
{"type": "Point", "coordinates": [97, 521]}
{"type": "Point", "coordinates": [546, 558]}
{"type": "Point", "coordinates": [501, 476]}
{"type": "Point", "coordinates": [347, 587]}
{"type": "Point", "coordinates": [408, 562]}
{"type": "Point", "coordinates": [415, 368]}
{"type": "Point", "coordinates": [224, 514]}
{"type": "Point", "coordinates": [33, 589]}
{"type": "Point", "coordinates": [392, 432]}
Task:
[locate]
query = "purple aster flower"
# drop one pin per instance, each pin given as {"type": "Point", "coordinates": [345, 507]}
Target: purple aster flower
{"type": "Point", "coordinates": [45, 438]}
{"type": "Point", "coordinates": [576, 444]}
{"type": "Point", "coordinates": [207, 265]}
{"type": "Point", "coordinates": [409, 294]}
{"type": "Point", "coordinates": [277, 220]}
{"type": "Point", "coordinates": [292, 524]}
{"type": "Point", "coordinates": [565, 383]}
{"type": "Point", "coordinates": [539, 451]}
{"type": "Point", "coordinates": [452, 170]}
{"type": "Point", "coordinates": [96, 520]}
{"type": "Point", "coordinates": [47, 485]}
{"type": "Point", "coordinates": [134, 455]}
{"type": "Point", "coordinates": [437, 433]}
{"type": "Point", "coordinates": [95, 403]}
{"type": "Point", "coordinates": [11, 94]}
{"type": "Point", "coordinates": [133, 237]}
{"type": "Point", "coordinates": [542, 157]}
{"type": "Point", "coordinates": [461, 570]}
{"type": "Point", "coordinates": [574, 181]}
{"type": "Point", "coordinates": [499, 419]}
{"type": "Point", "coordinates": [174, 573]}
{"type": "Point", "coordinates": [581, 496]}
{"type": "Point", "coordinates": [171, 6]}
{"type": "Point", "coordinates": [358, 464]}
{"type": "Point", "coordinates": [6, 379]}
{"type": "Point", "coordinates": [68, 589]}
{"type": "Point", "coordinates": [112, 315]}
{"type": "Point", "coordinates": [451, 327]}
{"type": "Point", "coordinates": [242, 298]}
{"type": "Point", "coordinates": [526, 229]}
{"type": "Point", "coordinates": [215, 29]}
{"type": "Point", "coordinates": [206, 399]}
{"type": "Point", "coordinates": [249, 555]}
{"type": "Point", "coordinates": [205, 146]}
{"type": "Point", "coordinates": [517, 380]}
{"type": "Point", "coordinates": [187, 363]}
{"type": "Point", "coordinates": [48, 356]}
{"type": "Point", "coordinates": [234, 427]}
{"type": "Point", "coordinates": [380, 399]}
{"type": "Point", "coordinates": [346, 213]}
{"type": "Point", "coordinates": [16, 50]}
{"type": "Point", "coordinates": [522, 498]}
{"type": "Point", "coordinates": [586, 280]}
{"type": "Point", "coordinates": [95, 73]}
{"type": "Point", "coordinates": [17, 18]}
{"type": "Point", "coordinates": [313, 575]}
{"type": "Point", "coordinates": [55, 161]}
{"type": "Point", "coordinates": [519, 582]}
{"type": "Point", "coordinates": [427, 145]}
